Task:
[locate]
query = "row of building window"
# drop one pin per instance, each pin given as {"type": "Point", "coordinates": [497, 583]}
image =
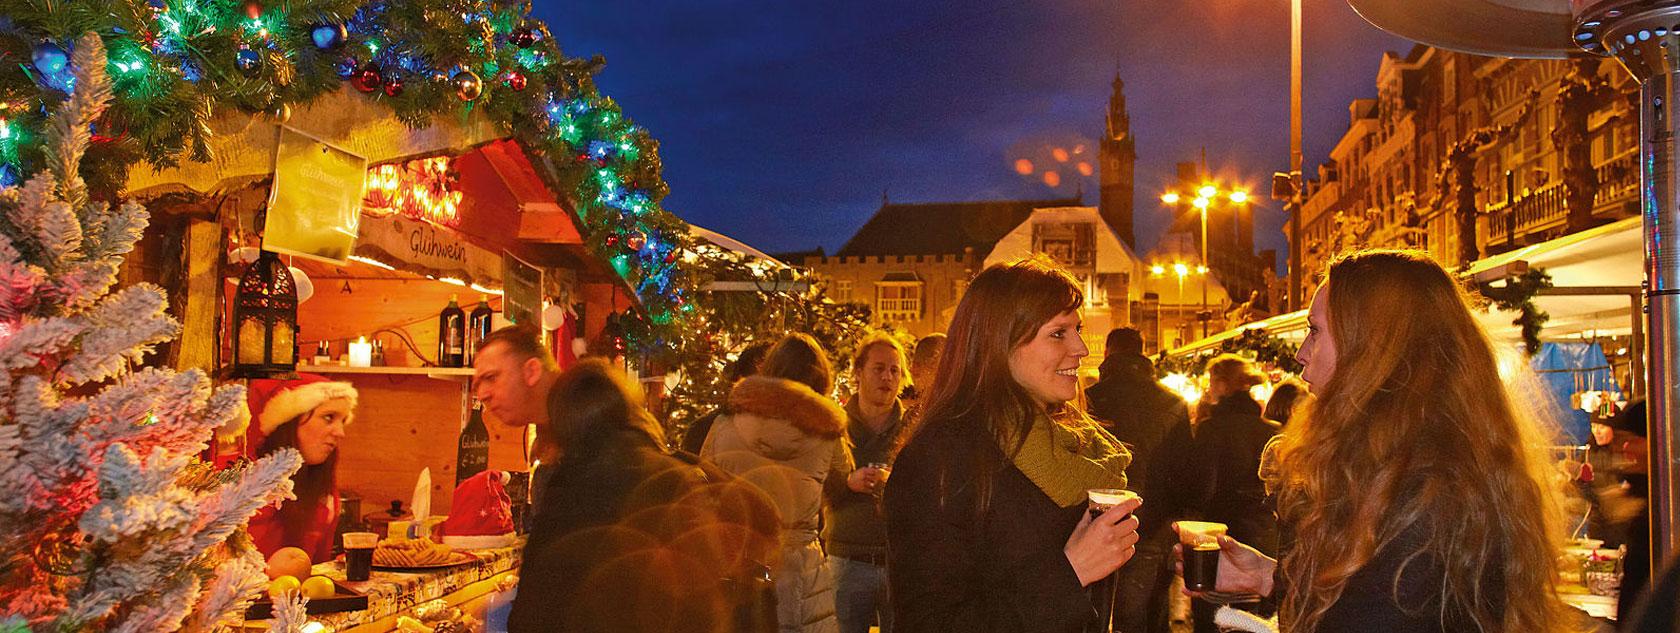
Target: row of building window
{"type": "Point", "coordinates": [894, 302]}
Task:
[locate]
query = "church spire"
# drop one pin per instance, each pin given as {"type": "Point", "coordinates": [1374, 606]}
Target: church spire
{"type": "Point", "coordinates": [1119, 123]}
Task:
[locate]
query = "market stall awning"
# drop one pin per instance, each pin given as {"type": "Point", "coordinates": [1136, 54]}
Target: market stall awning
{"type": "Point", "coordinates": [1609, 256]}
{"type": "Point", "coordinates": [730, 244]}
{"type": "Point", "coordinates": [243, 144]}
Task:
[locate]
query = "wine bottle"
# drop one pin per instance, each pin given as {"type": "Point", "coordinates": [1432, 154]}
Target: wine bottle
{"type": "Point", "coordinates": [472, 454]}
{"type": "Point", "coordinates": [452, 336]}
{"type": "Point", "coordinates": [478, 326]}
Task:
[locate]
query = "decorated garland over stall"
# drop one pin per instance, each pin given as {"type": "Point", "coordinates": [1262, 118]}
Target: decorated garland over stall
{"type": "Point", "coordinates": [1518, 295]}
{"type": "Point", "coordinates": [176, 64]}
{"type": "Point", "coordinates": [1253, 343]}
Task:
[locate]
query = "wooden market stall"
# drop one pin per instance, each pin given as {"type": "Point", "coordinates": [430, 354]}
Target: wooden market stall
{"type": "Point", "coordinates": [486, 215]}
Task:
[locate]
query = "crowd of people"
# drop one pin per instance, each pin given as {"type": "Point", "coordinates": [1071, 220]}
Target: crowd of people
{"type": "Point", "coordinates": [1396, 488]}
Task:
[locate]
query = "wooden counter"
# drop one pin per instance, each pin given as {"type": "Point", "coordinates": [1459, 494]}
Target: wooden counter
{"type": "Point", "coordinates": [394, 594]}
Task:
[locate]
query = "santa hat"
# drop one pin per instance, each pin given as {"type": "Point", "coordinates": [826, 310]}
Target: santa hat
{"type": "Point", "coordinates": [481, 515]}
{"type": "Point", "coordinates": [275, 402]}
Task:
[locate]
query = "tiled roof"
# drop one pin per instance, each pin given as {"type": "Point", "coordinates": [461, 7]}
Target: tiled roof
{"type": "Point", "coordinates": [942, 228]}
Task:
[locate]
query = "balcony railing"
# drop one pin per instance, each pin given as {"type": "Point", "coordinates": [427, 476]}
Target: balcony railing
{"type": "Point", "coordinates": [1618, 180]}
{"type": "Point", "coordinates": [1529, 214]}
{"type": "Point", "coordinates": [1546, 209]}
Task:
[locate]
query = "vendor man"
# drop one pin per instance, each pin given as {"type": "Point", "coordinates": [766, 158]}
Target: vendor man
{"type": "Point", "coordinates": [512, 373]}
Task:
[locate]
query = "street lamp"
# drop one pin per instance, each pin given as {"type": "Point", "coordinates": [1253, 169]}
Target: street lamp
{"type": "Point", "coordinates": [1205, 195]}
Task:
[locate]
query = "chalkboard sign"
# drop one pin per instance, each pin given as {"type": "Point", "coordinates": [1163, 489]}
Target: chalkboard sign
{"type": "Point", "coordinates": [472, 453]}
{"type": "Point", "coordinates": [521, 291]}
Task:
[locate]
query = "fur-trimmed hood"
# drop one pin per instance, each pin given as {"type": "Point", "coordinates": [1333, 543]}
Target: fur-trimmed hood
{"type": "Point", "coordinates": [768, 397]}
{"type": "Point", "coordinates": [779, 419]}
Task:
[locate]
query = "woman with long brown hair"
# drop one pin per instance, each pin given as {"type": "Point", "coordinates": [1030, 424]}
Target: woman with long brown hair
{"type": "Point", "coordinates": [781, 432]}
{"type": "Point", "coordinates": [308, 415]}
{"type": "Point", "coordinates": [1415, 487]}
{"type": "Point", "coordinates": [986, 521]}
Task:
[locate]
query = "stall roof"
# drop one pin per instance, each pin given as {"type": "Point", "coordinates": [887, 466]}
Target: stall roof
{"type": "Point", "coordinates": [729, 243]}
{"type": "Point", "coordinates": [1607, 256]}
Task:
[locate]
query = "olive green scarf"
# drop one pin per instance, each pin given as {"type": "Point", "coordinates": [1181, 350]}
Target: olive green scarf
{"type": "Point", "coordinates": [1066, 460]}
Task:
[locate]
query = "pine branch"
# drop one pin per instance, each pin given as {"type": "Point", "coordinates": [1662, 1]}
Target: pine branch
{"type": "Point", "coordinates": [67, 132]}
{"type": "Point", "coordinates": [122, 327]}
{"type": "Point", "coordinates": [225, 598]}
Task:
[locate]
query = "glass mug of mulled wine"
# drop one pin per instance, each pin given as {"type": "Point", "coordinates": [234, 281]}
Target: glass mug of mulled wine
{"type": "Point", "coordinates": [1103, 591]}
{"type": "Point", "coordinates": [1200, 544]}
{"type": "Point", "coordinates": [358, 554]}
{"type": "Point", "coordinates": [886, 471]}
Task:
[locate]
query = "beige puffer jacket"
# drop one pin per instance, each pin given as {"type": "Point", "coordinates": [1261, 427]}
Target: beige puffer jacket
{"type": "Point", "coordinates": [785, 438]}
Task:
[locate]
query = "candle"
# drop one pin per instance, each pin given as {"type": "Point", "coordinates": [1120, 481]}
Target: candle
{"type": "Point", "coordinates": [361, 353]}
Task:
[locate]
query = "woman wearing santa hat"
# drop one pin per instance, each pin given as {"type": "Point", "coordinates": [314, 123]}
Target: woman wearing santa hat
{"type": "Point", "coordinates": [308, 414]}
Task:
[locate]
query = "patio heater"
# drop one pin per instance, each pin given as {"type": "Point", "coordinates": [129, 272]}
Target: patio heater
{"type": "Point", "coordinates": [1644, 35]}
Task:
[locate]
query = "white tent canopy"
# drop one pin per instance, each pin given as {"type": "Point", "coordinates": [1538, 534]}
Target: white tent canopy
{"type": "Point", "coordinates": [1608, 257]}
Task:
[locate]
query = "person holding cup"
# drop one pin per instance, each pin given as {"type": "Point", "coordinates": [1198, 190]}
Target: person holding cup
{"type": "Point", "coordinates": [987, 528]}
{"type": "Point", "coordinates": [1416, 490]}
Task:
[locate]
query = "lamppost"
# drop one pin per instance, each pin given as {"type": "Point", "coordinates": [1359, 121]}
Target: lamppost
{"type": "Point", "coordinates": [1205, 195]}
{"type": "Point", "coordinates": [1181, 270]}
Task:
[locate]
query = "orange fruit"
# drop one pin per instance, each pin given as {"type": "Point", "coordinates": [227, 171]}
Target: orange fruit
{"type": "Point", "coordinates": [289, 561]}
{"type": "Point", "coordinates": [318, 587]}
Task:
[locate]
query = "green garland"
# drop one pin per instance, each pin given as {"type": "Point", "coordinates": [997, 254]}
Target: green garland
{"type": "Point", "coordinates": [1253, 343]}
{"type": "Point", "coordinates": [1518, 295]}
{"type": "Point", "coordinates": [729, 321]}
{"type": "Point", "coordinates": [177, 64]}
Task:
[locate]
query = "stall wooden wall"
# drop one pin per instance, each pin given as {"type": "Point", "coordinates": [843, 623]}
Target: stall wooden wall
{"type": "Point", "coordinates": [411, 306]}
{"type": "Point", "coordinates": [403, 424]}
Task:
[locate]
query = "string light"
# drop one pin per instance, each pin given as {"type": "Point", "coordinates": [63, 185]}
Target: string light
{"type": "Point", "coordinates": [422, 189]}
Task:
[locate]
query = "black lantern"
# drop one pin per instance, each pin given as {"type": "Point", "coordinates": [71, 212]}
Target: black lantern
{"type": "Point", "coordinates": [265, 319]}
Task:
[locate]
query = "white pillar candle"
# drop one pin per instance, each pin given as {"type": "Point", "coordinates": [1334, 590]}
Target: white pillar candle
{"type": "Point", "coordinates": [361, 353]}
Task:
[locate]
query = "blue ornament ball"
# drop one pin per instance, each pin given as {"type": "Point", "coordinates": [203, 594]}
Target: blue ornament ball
{"type": "Point", "coordinates": [49, 58]}
{"type": "Point", "coordinates": [328, 36]}
{"type": "Point", "coordinates": [249, 62]}
{"type": "Point", "coordinates": [347, 67]}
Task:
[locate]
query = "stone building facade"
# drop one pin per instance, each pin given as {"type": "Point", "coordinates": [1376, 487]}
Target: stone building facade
{"type": "Point", "coordinates": [1468, 156]}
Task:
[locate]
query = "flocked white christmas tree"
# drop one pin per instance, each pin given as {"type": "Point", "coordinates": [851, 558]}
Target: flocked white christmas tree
{"type": "Point", "coordinates": [107, 520]}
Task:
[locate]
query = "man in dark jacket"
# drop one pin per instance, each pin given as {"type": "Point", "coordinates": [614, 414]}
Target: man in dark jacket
{"type": "Point", "coordinates": [854, 531]}
{"type": "Point", "coordinates": [630, 538]}
{"type": "Point", "coordinates": [1153, 421]}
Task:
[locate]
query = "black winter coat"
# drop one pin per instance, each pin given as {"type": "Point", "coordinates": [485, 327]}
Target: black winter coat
{"type": "Point", "coordinates": [604, 555]}
{"type": "Point", "coordinates": [1154, 423]}
{"type": "Point", "coordinates": [1399, 591]}
{"type": "Point", "coordinates": [1224, 467]}
{"type": "Point", "coordinates": [951, 570]}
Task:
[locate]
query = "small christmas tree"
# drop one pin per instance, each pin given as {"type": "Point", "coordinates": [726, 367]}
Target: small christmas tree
{"type": "Point", "coordinates": [107, 521]}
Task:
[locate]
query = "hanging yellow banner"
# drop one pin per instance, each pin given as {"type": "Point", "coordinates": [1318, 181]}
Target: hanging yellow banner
{"type": "Point", "coordinates": [315, 203]}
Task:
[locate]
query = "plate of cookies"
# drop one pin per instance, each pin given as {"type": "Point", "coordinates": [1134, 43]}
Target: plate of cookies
{"type": "Point", "coordinates": [417, 554]}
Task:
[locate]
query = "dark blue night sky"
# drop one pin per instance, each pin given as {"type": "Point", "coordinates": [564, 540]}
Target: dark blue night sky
{"type": "Point", "coordinates": [782, 123]}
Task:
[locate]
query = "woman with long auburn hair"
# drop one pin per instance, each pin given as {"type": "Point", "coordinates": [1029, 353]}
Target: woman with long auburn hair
{"type": "Point", "coordinates": [986, 521]}
{"type": "Point", "coordinates": [309, 415]}
{"type": "Point", "coordinates": [1416, 489]}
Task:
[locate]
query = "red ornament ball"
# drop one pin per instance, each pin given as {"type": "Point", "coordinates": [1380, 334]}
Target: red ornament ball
{"type": "Point", "coordinates": [368, 78]}
{"type": "Point", "coordinates": [393, 84]}
{"type": "Point", "coordinates": [253, 9]}
{"type": "Point", "coordinates": [515, 81]}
